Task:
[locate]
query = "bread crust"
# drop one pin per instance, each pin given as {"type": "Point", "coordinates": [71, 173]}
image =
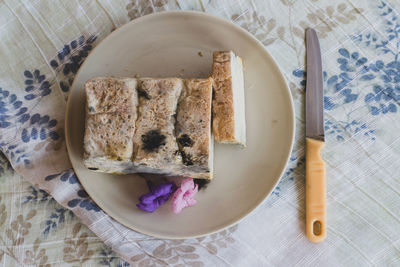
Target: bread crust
{"type": "Point", "coordinates": [223, 106]}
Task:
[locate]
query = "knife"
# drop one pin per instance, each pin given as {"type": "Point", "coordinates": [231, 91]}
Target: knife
{"type": "Point", "coordinates": [315, 139]}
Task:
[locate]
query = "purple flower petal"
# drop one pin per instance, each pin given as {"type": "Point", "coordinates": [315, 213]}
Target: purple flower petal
{"type": "Point", "coordinates": [162, 189]}
{"type": "Point", "coordinates": [157, 196]}
{"type": "Point", "coordinates": [147, 198]}
{"type": "Point", "coordinates": [161, 200]}
{"type": "Point", "coordinates": [149, 207]}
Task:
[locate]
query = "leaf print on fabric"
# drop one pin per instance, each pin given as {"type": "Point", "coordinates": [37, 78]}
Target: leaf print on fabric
{"type": "Point", "coordinates": [15, 233]}
{"type": "Point", "coordinates": [110, 258]}
{"type": "Point", "coordinates": [288, 2]}
{"type": "Point", "coordinates": [83, 201]}
{"type": "Point", "coordinates": [354, 68]}
{"type": "Point", "coordinates": [11, 109]}
{"type": "Point", "coordinates": [15, 152]}
{"type": "Point", "coordinates": [325, 20]}
{"type": "Point", "coordinates": [218, 240]}
{"type": "Point", "coordinates": [385, 94]}
{"type": "Point", "coordinates": [354, 127]}
{"type": "Point", "coordinates": [37, 195]}
{"type": "Point", "coordinates": [42, 129]}
{"type": "Point", "coordinates": [138, 8]}
{"type": "Point", "coordinates": [12, 113]}
{"type": "Point", "coordinates": [57, 217]}
{"type": "Point", "coordinates": [76, 248]}
{"type": "Point", "coordinates": [257, 25]}
{"type": "Point", "coordinates": [36, 85]}
{"type": "Point", "coordinates": [296, 91]}
{"type": "Point", "coordinates": [173, 252]}
{"type": "Point", "coordinates": [3, 213]}
{"type": "Point", "coordinates": [184, 252]}
{"type": "Point", "coordinates": [295, 166]}
{"type": "Point", "coordinates": [339, 92]}
{"type": "Point", "coordinates": [381, 43]}
{"type": "Point", "coordinates": [267, 31]}
{"type": "Point", "coordinates": [70, 58]}
{"type": "Point", "coordinates": [36, 257]}
{"type": "Point", "coordinates": [4, 164]}
{"type": "Point", "coordinates": [20, 227]}
{"type": "Point", "coordinates": [138, 257]}
{"type": "Point", "coordinates": [66, 176]}
{"type": "Point", "coordinates": [344, 89]}
{"type": "Point", "coordinates": [31, 127]}
{"type": "Point", "coordinates": [3, 217]}
{"type": "Point", "coordinates": [383, 100]}
{"type": "Point", "coordinates": [123, 264]}
{"type": "Point", "coordinates": [379, 77]}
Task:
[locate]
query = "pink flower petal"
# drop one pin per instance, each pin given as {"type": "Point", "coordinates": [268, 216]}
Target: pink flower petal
{"type": "Point", "coordinates": [184, 196]}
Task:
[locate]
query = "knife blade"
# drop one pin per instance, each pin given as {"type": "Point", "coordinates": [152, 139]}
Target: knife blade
{"type": "Point", "coordinates": [315, 138]}
{"type": "Point", "coordinates": [314, 89]}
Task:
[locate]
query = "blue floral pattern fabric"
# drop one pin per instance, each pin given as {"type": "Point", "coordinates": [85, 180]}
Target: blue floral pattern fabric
{"type": "Point", "coordinates": [360, 42]}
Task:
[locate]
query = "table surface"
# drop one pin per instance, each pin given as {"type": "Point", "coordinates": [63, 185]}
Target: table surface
{"type": "Point", "coordinates": [360, 43]}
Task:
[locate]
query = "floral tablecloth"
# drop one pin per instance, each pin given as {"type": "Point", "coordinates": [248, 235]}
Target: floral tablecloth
{"type": "Point", "coordinates": [47, 219]}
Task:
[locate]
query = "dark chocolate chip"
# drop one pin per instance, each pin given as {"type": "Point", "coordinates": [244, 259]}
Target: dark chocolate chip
{"type": "Point", "coordinates": [186, 158]}
{"type": "Point", "coordinates": [153, 140]}
{"type": "Point", "coordinates": [185, 140]}
{"type": "Point", "coordinates": [143, 94]}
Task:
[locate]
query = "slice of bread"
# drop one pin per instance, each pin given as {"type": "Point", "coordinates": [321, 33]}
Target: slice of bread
{"type": "Point", "coordinates": [229, 124]}
{"type": "Point", "coordinates": [154, 141]}
{"type": "Point", "coordinates": [193, 128]}
{"type": "Point", "coordinates": [111, 105]}
{"type": "Point", "coordinates": [164, 128]}
{"type": "Point", "coordinates": [108, 94]}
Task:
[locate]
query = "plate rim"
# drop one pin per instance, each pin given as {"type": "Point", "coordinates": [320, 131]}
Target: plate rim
{"type": "Point", "coordinates": [280, 76]}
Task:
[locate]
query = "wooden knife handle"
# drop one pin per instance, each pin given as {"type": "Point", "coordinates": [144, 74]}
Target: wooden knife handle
{"type": "Point", "coordinates": [315, 191]}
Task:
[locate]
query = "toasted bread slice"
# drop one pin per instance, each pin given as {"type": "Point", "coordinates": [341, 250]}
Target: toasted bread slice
{"type": "Point", "coordinates": [229, 124]}
{"type": "Point", "coordinates": [154, 140]}
{"type": "Point", "coordinates": [193, 128]}
{"type": "Point", "coordinates": [111, 105]}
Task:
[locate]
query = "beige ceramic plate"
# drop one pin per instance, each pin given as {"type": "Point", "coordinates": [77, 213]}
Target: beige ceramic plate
{"type": "Point", "coordinates": [165, 45]}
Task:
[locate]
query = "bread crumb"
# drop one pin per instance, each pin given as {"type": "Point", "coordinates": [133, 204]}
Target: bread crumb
{"type": "Point", "coordinates": [200, 54]}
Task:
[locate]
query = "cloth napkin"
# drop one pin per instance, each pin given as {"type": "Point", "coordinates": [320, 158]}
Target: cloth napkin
{"type": "Point", "coordinates": [42, 45]}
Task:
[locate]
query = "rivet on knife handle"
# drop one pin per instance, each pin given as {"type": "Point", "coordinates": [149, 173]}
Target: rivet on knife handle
{"type": "Point", "coordinates": [315, 191]}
